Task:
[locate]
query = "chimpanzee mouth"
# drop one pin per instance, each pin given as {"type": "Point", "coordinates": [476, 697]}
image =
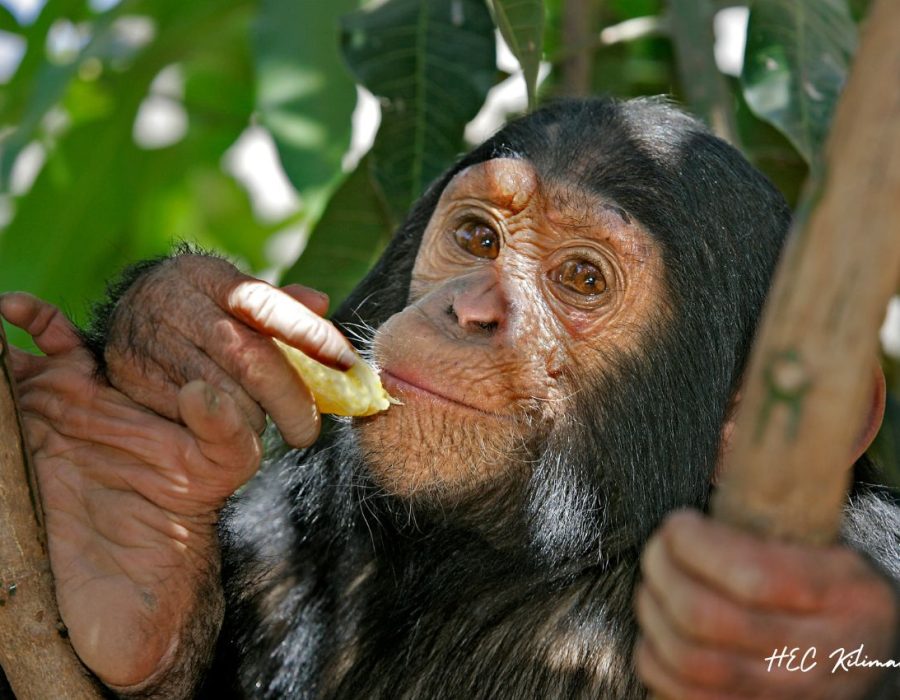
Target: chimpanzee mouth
{"type": "Point", "coordinates": [408, 386]}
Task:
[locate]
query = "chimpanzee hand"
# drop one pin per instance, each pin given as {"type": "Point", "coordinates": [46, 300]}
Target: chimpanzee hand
{"type": "Point", "coordinates": [130, 500]}
{"type": "Point", "coordinates": [198, 317]}
{"type": "Point", "coordinates": [726, 615]}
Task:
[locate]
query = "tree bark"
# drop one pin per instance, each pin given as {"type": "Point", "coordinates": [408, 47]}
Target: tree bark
{"type": "Point", "coordinates": [38, 660]}
{"type": "Point", "coordinates": [809, 380]}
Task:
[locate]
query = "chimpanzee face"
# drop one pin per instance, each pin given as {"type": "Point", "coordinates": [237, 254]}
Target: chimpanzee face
{"type": "Point", "coordinates": [521, 290]}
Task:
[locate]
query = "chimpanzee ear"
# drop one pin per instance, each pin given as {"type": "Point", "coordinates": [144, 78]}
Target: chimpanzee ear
{"type": "Point", "coordinates": [866, 435]}
{"type": "Point", "coordinates": [874, 418]}
{"type": "Point", "coordinates": [725, 441]}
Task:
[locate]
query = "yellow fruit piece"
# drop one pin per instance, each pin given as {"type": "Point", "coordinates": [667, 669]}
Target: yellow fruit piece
{"type": "Point", "coordinates": [356, 392]}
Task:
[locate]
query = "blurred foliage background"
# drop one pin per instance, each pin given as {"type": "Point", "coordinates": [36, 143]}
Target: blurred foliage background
{"type": "Point", "coordinates": [125, 124]}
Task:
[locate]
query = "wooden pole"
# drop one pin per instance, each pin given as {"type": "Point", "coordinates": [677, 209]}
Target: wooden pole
{"type": "Point", "coordinates": [809, 379]}
{"type": "Point", "coordinates": [36, 657]}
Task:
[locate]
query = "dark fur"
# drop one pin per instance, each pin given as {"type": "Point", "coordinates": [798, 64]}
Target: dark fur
{"type": "Point", "coordinates": [337, 590]}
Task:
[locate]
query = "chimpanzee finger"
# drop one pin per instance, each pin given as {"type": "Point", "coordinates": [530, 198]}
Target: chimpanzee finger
{"type": "Point", "coordinates": [664, 685]}
{"type": "Point", "coordinates": [765, 574]}
{"type": "Point", "coordinates": [262, 371]}
{"type": "Point", "coordinates": [152, 354]}
{"type": "Point", "coordinates": [276, 314]}
{"type": "Point", "coordinates": [701, 613]}
{"type": "Point", "coordinates": [222, 433]}
{"type": "Point", "coordinates": [23, 364]}
{"type": "Point", "coordinates": [53, 333]}
{"type": "Point", "coordinates": [312, 299]}
{"type": "Point", "coordinates": [156, 386]}
{"type": "Point", "coordinates": [710, 666]}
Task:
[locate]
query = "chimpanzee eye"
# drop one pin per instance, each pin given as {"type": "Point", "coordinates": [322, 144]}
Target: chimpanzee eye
{"type": "Point", "coordinates": [478, 240]}
{"type": "Point", "coordinates": [580, 276]}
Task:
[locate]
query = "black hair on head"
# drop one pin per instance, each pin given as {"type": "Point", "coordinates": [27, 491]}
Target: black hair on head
{"type": "Point", "coordinates": [644, 437]}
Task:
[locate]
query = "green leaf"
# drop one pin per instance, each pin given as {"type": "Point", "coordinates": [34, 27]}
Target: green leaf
{"type": "Point", "coordinates": [432, 62]}
{"type": "Point", "coordinates": [628, 9]}
{"type": "Point", "coordinates": [521, 22]}
{"type": "Point", "coordinates": [348, 239]}
{"type": "Point", "coordinates": [305, 95]}
{"type": "Point", "coordinates": [796, 61]}
{"type": "Point", "coordinates": [8, 23]}
{"type": "Point", "coordinates": [101, 201]}
{"type": "Point", "coordinates": [691, 29]}
{"type": "Point", "coordinates": [36, 86]}
{"type": "Point", "coordinates": [68, 230]}
{"type": "Point", "coordinates": [769, 150]}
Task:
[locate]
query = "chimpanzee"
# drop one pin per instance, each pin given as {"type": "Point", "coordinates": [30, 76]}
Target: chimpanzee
{"type": "Point", "coordinates": [565, 316]}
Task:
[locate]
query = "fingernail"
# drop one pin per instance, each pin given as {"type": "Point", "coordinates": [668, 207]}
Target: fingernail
{"type": "Point", "coordinates": [212, 399]}
{"type": "Point", "coordinates": [347, 359]}
{"type": "Point", "coordinates": [322, 295]}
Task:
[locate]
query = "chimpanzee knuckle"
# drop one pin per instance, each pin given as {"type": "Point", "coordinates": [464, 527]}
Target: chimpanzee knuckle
{"type": "Point", "coordinates": [654, 675]}
{"type": "Point", "coordinates": [317, 335]}
{"type": "Point", "coordinates": [753, 583]}
{"type": "Point", "coordinates": [36, 432]}
{"type": "Point", "coordinates": [254, 367]}
{"type": "Point", "coordinates": [705, 668]}
{"type": "Point", "coordinates": [185, 454]}
{"type": "Point", "coordinates": [305, 432]}
{"type": "Point", "coordinates": [690, 613]}
{"type": "Point", "coordinates": [257, 299]}
{"type": "Point", "coordinates": [791, 583]}
{"type": "Point", "coordinates": [224, 337]}
{"type": "Point", "coordinates": [701, 622]}
{"type": "Point", "coordinates": [251, 456]}
{"type": "Point", "coordinates": [45, 316]}
{"type": "Point", "coordinates": [49, 405]}
{"type": "Point", "coordinates": [652, 556]}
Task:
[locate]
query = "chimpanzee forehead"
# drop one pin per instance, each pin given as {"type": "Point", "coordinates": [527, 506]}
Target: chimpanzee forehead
{"type": "Point", "coordinates": [514, 183]}
{"type": "Point", "coordinates": [510, 183]}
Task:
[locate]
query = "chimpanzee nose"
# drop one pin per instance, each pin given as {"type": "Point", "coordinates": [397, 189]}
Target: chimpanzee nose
{"type": "Point", "coordinates": [478, 303]}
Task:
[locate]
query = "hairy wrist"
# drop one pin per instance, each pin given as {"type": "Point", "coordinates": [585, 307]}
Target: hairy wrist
{"type": "Point", "coordinates": [96, 333]}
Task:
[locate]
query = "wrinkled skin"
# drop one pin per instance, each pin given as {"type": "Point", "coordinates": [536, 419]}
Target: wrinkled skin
{"type": "Point", "coordinates": [130, 499]}
{"type": "Point", "coordinates": [502, 325]}
{"type": "Point", "coordinates": [224, 339]}
{"type": "Point", "coordinates": [499, 327]}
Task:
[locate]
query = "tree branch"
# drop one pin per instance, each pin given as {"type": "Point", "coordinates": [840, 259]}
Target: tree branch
{"type": "Point", "coordinates": [810, 376]}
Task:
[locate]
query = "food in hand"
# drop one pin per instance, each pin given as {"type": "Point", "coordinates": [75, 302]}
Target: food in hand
{"type": "Point", "coordinates": [356, 392]}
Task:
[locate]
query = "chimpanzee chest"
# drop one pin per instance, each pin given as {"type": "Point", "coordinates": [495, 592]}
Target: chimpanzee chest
{"type": "Point", "coordinates": [514, 644]}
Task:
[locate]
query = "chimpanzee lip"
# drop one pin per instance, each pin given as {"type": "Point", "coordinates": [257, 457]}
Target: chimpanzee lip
{"type": "Point", "coordinates": [415, 387]}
